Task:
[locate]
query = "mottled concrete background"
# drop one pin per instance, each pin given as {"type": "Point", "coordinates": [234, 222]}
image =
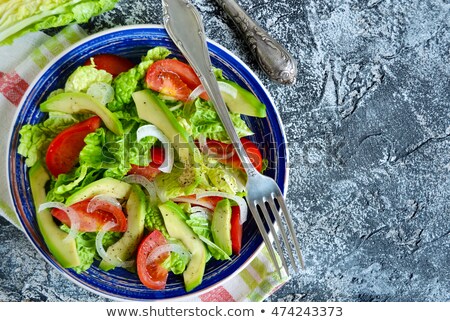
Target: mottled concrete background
{"type": "Point", "coordinates": [368, 124]}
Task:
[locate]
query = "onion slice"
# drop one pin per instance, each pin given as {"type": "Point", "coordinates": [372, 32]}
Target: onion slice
{"type": "Point", "coordinates": [166, 248]}
{"type": "Point", "coordinates": [199, 90]}
{"type": "Point", "coordinates": [102, 252]}
{"type": "Point", "coordinates": [240, 201]}
{"type": "Point", "coordinates": [225, 88]}
{"type": "Point", "coordinates": [98, 200]}
{"type": "Point", "coordinates": [151, 130]}
{"type": "Point", "coordinates": [143, 181]}
{"type": "Point", "coordinates": [71, 213]}
{"type": "Point", "coordinates": [201, 212]}
{"type": "Point", "coordinates": [198, 201]}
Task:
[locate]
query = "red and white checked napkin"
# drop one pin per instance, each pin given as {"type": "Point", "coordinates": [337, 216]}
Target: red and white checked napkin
{"type": "Point", "coordinates": [19, 64]}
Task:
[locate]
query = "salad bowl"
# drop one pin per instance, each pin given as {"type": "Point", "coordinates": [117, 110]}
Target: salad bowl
{"type": "Point", "coordinates": [133, 42]}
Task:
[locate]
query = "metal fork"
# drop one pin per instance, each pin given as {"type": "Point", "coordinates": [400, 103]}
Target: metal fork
{"type": "Point", "coordinates": [184, 25]}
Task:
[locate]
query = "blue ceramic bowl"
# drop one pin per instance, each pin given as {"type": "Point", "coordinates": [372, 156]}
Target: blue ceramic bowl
{"type": "Point", "coordinates": [133, 42]}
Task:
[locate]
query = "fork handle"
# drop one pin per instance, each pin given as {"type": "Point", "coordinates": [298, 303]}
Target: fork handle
{"type": "Point", "coordinates": [184, 25]}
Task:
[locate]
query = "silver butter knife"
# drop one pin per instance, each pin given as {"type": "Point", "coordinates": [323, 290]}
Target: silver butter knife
{"type": "Point", "coordinates": [272, 57]}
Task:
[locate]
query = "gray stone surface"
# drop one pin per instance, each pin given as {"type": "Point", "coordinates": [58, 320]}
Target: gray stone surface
{"type": "Point", "coordinates": [368, 125]}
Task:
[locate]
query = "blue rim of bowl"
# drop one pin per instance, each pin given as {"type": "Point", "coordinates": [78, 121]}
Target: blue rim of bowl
{"type": "Point", "coordinates": [17, 169]}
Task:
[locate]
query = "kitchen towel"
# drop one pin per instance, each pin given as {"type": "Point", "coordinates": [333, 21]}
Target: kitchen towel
{"type": "Point", "coordinates": [19, 64]}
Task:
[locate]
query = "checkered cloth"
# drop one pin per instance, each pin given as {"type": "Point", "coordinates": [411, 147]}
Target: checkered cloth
{"type": "Point", "coordinates": [19, 64]}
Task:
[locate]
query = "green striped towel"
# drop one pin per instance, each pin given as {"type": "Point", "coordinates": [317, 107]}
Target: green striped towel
{"type": "Point", "coordinates": [254, 283]}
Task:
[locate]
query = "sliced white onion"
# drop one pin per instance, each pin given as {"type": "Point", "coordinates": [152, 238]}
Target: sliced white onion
{"type": "Point", "coordinates": [176, 107]}
{"type": "Point", "coordinates": [102, 92]}
{"type": "Point", "coordinates": [98, 200]}
{"type": "Point", "coordinates": [200, 215]}
{"type": "Point", "coordinates": [201, 211]}
{"type": "Point", "coordinates": [240, 201]}
{"type": "Point", "coordinates": [166, 248]}
{"type": "Point", "coordinates": [225, 88]}
{"type": "Point", "coordinates": [102, 252]}
{"type": "Point", "coordinates": [151, 130]}
{"type": "Point", "coordinates": [202, 143]}
{"type": "Point", "coordinates": [198, 201]}
{"type": "Point", "coordinates": [143, 181]}
{"type": "Point", "coordinates": [199, 90]}
{"type": "Point", "coordinates": [72, 214]}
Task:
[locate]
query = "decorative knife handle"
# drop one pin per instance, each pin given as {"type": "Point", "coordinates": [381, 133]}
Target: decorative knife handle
{"type": "Point", "coordinates": [276, 62]}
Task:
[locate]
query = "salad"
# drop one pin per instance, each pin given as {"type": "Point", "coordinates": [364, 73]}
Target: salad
{"type": "Point", "coordinates": [133, 169]}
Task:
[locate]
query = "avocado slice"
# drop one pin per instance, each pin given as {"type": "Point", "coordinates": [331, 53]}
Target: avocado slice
{"type": "Point", "coordinates": [221, 226]}
{"type": "Point", "coordinates": [124, 248]}
{"type": "Point", "coordinates": [153, 110]}
{"type": "Point", "coordinates": [241, 101]}
{"type": "Point", "coordinates": [108, 186]}
{"type": "Point", "coordinates": [64, 251]}
{"type": "Point", "coordinates": [177, 228]}
{"type": "Point", "coordinates": [82, 103]}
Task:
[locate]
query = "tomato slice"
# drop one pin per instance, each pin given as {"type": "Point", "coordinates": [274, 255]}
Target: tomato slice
{"type": "Point", "coordinates": [236, 230]}
{"type": "Point", "coordinates": [63, 152]}
{"type": "Point", "coordinates": [152, 275]}
{"type": "Point", "coordinates": [174, 78]}
{"type": "Point", "coordinates": [150, 171]}
{"type": "Point", "coordinates": [92, 222]}
{"type": "Point", "coordinates": [113, 64]}
{"type": "Point", "coordinates": [224, 149]}
{"type": "Point", "coordinates": [157, 155]}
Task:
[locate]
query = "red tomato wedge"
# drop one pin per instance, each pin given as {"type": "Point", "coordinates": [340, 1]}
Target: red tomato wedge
{"type": "Point", "coordinates": [220, 148]}
{"type": "Point", "coordinates": [253, 153]}
{"type": "Point", "coordinates": [157, 154]}
{"type": "Point", "coordinates": [63, 152]}
{"type": "Point", "coordinates": [152, 275]}
{"type": "Point", "coordinates": [174, 78]}
{"type": "Point", "coordinates": [112, 64]}
{"type": "Point", "coordinates": [150, 171]}
{"type": "Point", "coordinates": [236, 230]}
{"type": "Point", "coordinates": [92, 222]}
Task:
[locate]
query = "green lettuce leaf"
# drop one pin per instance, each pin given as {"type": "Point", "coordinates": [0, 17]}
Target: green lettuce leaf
{"type": "Point", "coordinates": [154, 220]}
{"type": "Point", "coordinates": [202, 227]}
{"type": "Point", "coordinates": [176, 262]}
{"type": "Point", "coordinates": [203, 120]}
{"type": "Point", "coordinates": [86, 246]}
{"type": "Point", "coordinates": [35, 139]}
{"type": "Point", "coordinates": [18, 17]}
{"type": "Point", "coordinates": [84, 76]}
{"type": "Point", "coordinates": [126, 83]}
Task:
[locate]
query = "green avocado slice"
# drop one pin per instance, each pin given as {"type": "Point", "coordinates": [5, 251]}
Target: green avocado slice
{"type": "Point", "coordinates": [105, 186]}
{"type": "Point", "coordinates": [221, 226]}
{"type": "Point", "coordinates": [82, 103]}
{"type": "Point", "coordinates": [177, 228]}
{"type": "Point", "coordinates": [124, 248]}
{"type": "Point", "coordinates": [64, 251]}
{"type": "Point", "coordinates": [241, 101]}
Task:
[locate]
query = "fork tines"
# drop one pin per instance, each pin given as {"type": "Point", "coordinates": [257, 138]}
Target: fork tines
{"type": "Point", "coordinates": [279, 211]}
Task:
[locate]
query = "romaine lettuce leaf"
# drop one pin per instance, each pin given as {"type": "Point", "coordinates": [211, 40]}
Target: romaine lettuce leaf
{"type": "Point", "coordinates": [35, 139]}
{"type": "Point", "coordinates": [86, 246]}
{"type": "Point", "coordinates": [126, 83]}
{"type": "Point", "coordinates": [84, 76]}
{"type": "Point", "coordinates": [203, 120]}
{"type": "Point", "coordinates": [202, 227]}
{"type": "Point", "coordinates": [18, 17]}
